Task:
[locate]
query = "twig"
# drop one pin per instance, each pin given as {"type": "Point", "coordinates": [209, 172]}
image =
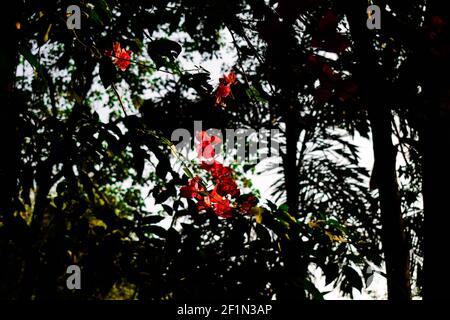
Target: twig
{"type": "Point", "coordinates": [397, 133]}
{"type": "Point", "coordinates": [241, 65]}
{"type": "Point", "coordinates": [120, 99]}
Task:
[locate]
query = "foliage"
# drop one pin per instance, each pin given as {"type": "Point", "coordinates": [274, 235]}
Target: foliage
{"type": "Point", "coordinates": [94, 151]}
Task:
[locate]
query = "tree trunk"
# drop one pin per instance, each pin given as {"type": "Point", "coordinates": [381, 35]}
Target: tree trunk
{"type": "Point", "coordinates": [370, 76]}
{"type": "Point", "coordinates": [8, 113]}
{"type": "Point", "coordinates": [436, 163]}
{"type": "Point", "coordinates": [290, 162]}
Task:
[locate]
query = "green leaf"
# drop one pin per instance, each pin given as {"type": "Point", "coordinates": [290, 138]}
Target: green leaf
{"type": "Point", "coordinates": [284, 208]}
{"type": "Point", "coordinates": [253, 93]}
{"type": "Point", "coordinates": [103, 11]}
{"type": "Point", "coordinates": [32, 60]}
{"type": "Point", "coordinates": [248, 167]}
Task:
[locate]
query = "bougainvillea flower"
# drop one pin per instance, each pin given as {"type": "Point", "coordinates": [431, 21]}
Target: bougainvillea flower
{"type": "Point", "coordinates": [205, 147]}
{"type": "Point", "coordinates": [347, 90]}
{"type": "Point", "coordinates": [120, 56]}
{"type": "Point", "coordinates": [223, 209]}
{"type": "Point", "coordinates": [323, 93]}
{"type": "Point", "coordinates": [222, 206]}
{"type": "Point", "coordinates": [436, 26]}
{"type": "Point", "coordinates": [217, 169]}
{"type": "Point", "coordinates": [193, 189]}
{"type": "Point", "coordinates": [204, 204]}
{"type": "Point", "coordinates": [226, 185]}
{"type": "Point", "coordinates": [224, 89]}
{"type": "Point", "coordinates": [327, 38]}
{"type": "Point", "coordinates": [248, 204]}
{"type": "Point", "coordinates": [320, 68]}
{"type": "Point", "coordinates": [230, 78]}
{"type": "Point", "coordinates": [336, 43]}
{"type": "Point", "coordinates": [329, 22]}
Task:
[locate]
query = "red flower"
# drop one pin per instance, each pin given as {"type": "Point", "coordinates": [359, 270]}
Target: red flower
{"type": "Point", "coordinates": [327, 38]}
{"type": "Point", "coordinates": [204, 204]}
{"type": "Point", "coordinates": [436, 27]}
{"type": "Point", "coordinates": [224, 89]}
{"type": "Point", "coordinates": [437, 22]}
{"type": "Point", "coordinates": [215, 201]}
{"type": "Point", "coordinates": [248, 204]}
{"type": "Point", "coordinates": [222, 176]}
{"type": "Point", "coordinates": [192, 189]}
{"type": "Point", "coordinates": [205, 148]}
{"type": "Point", "coordinates": [227, 185]}
{"type": "Point", "coordinates": [222, 206]}
{"type": "Point", "coordinates": [329, 22]}
{"type": "Point", "coordinates": [223, 209]}
{"type": "Point", "coordinates": [347, 90]}
{"type": "Point", "coordinates": [217, 169]}
{"type": "Point", "coordinates": [230, 78]}
{"type": "Point", "coordinates": [120, 56]}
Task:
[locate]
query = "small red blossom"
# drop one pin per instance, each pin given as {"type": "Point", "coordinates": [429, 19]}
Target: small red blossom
{"type": "Point", "coordinates": [436, 26]}
{"type": "Point", "coordinates": [120, 56]}
{"type": "Point", "coordinates": [193, 189]}
{"type": "Point", "coordinates": [223, 209]}
{"type": "Point", "coordinates": [230, 78]}
{"type": "Point", "coordinates": [217, 169]}
{"type": "Point", "coordinates": [329, 22]}
{"type": "Point", "coordinates": [437, 22]}
{"type": "Point", "coordinates": [222, 206]}
{"type": "Point", "coordinates": [204, 204]}
{"type": "Point", "coordinates": [227, 185]}
{"type": "Point", "coordinates": [347, 90]}
{"type": "Point", "coordinates": [248, 204]}
{"type": "Point", "coordinates": [327, 38]}
{"type": "Point", "coordinates": [224, 89]}
{"type": "Point", "coordinates": [205, 147]}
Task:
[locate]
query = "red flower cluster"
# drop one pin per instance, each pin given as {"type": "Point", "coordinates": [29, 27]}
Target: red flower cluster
{"type": "Point", "coordinates": [193, 190]}
{"type": "Point", "coordinates": [208, 200]}
{"type": "Point", "coordinates": [225, 187]}
{"type": "Point", "coordinates": [327, 38]}
{"type": "Point", "coordinates": [225, 184]}
{"type": "Point", "coordinates": [248, 204]}
{"type": "Point", "coordinates": [224, 89]}
{"type": "Point", "coordinates": [435, 27]}
{"type": "Point", "coordinates": [331, 83]}
{"type": "Point", "coordinates": [120, 56]}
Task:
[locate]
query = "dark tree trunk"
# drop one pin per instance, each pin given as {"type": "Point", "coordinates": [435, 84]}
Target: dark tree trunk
{"type": "Point", "coordinates": [369, 73]}
{"type": "Point", "coordinates": [9, 112]}
{"type": "Point", "coordinates": [290, 161]}
{"type": "Point", "coordinates": [436, 162]}
{"type": "Point", "coordinates": [436, 177]}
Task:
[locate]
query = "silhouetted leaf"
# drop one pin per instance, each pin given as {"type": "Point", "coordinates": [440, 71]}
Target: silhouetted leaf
{"type": "Point", "coordinates": [160, 49]}
{"type": "Point", "coordinates": [107, 71]}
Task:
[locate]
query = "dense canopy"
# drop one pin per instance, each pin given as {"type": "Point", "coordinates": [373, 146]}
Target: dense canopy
{"type": "Point", "coordinates": [91, 175]}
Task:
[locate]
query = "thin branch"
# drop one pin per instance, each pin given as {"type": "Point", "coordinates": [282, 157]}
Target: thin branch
{"type": "Point", "coordinates": [242, 66]}
{"type": "Point", "coordinates": [397, 134]}
{"type": "Point", "coordinates": [120, 99]}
